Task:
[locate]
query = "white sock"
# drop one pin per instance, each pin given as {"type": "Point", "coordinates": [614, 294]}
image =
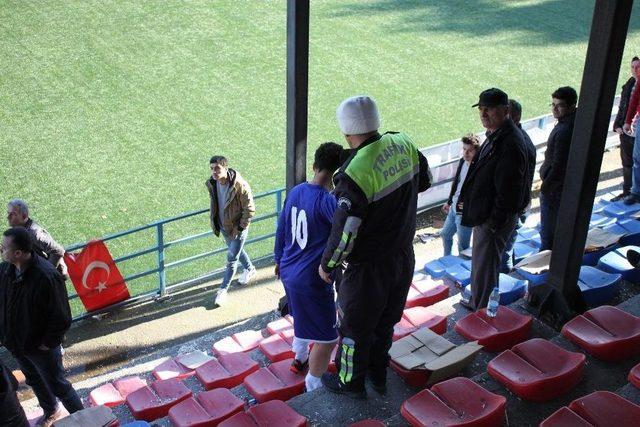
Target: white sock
{"type": "Point", "coordinates": [301, 348]}
{"type": "Point", "coordinates": [312, 382]}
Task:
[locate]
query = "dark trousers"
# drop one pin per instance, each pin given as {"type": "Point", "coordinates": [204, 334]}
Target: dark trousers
{"type": "Point", "coordinates": [549, 206]}
{"type": "Point", "coordinates": [486, 259]}
{"type": "Point", "coordinates": [626, 156]}
{"type": "Point", "coordinates": [44, 373]}
{"type": "Point", "coordinates": [370, 302]}
{"type": "Point", "coordinates": [11, 413]}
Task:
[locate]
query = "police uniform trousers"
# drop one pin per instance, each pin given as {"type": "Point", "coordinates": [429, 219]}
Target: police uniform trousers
{"type": "Point", "coordinates": [371, 298]}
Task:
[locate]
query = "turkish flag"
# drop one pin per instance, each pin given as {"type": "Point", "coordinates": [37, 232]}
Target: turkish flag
{"type": "Point", "coordinates": [95, 276]}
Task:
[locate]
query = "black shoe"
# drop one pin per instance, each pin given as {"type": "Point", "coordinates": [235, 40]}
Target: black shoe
{"type": "Point", "coordinates": [634, 258]}
{"type": "Point", "coordinates": [298, 367]}
{"type": "Point", "coordinates": [333, 384]}
{"type": "Point", "coordinates": [467, 305]}
{"type": "Point", "coordinates": [631, 199]}
{"type": "Point", "coordinates": [619, 197]}
{"type": "Point", "coordinates": [380, 386]}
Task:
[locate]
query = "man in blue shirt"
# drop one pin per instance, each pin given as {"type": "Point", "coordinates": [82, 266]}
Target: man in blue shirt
{"type": "Point", "coordinates": [303, 229]}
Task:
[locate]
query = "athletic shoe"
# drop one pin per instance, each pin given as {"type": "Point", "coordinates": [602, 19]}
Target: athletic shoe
{"type": "Point", "coordinates": [634, 258]}
{"type": "Point", "coordinates": [631, 199]}
{"type": "Point", "coordinates": [298, 367]}
{"type": "Point", "coordinates": [47, 420]}
{"type": "Point", "coordinates": [247, 275]}
{"type": "Point", "coordinates": [221, 297]}
{"type": "Point", "coordinates": [619, 197]}
{"type": "Point", "coordinates": [333, 384]}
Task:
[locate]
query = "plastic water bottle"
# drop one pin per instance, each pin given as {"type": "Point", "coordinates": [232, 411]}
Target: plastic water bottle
{"type": "Point", "coordinates": [494, 302]}
{"type": "Point", "coordinates": [465, 296]}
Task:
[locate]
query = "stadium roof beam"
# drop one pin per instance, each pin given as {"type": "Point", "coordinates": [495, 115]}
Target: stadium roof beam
{"type": "Point", "coordinates": [561, 297]}
{"type": "Point", "coordinates": [297, 90]}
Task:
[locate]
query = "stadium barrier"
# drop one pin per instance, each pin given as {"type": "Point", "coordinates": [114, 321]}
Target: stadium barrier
{"type": "Point", "coordinates": [443, 159]}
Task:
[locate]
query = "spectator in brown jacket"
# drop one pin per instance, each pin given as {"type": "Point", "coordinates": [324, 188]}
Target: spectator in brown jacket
{"type": "Point", "coordinates": [231, 211]}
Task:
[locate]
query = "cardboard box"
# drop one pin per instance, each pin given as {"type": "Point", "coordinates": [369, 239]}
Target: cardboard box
{"type": "Point", "coordinates": [97, 416]}
{"type": "Point", "coordinates": [425, 356]}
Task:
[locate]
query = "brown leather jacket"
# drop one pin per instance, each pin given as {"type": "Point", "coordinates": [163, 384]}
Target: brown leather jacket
{"type": "Point", "coordinates": [239, 208]}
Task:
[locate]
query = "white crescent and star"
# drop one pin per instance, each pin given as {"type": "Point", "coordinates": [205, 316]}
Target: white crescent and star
{"type": "Point", "coordinates": [93, 265]}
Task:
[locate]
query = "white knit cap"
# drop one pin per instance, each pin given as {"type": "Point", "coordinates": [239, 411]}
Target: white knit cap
{"type": "Point", "coordinates": [358, 115]}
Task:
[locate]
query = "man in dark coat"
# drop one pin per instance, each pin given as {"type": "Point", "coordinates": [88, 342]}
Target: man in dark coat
{"type": "Point", "coordinates": [11, 413]}
{"type": "Point", "coordinates": [554, 166]}
{"type": "Point", "coordinates": [492, 194]}
{"type": "Point", "coordinates": [34, 316]}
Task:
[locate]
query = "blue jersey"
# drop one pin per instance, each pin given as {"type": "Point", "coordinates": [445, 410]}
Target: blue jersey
{"type": "Point", "coordinates": [304, 226]}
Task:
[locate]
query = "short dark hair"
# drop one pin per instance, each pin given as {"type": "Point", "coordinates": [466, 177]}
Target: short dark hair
{"type": "Point", "coordinates": [221, 160]}
{"type": "Point", "coordinates": [567, 94]}
{"type": "Point", "coordinates": [634, 59]}
{"type": "Point", "coordinates": [471, 139]}
{"type": "Point", "coordinates": [20, 238]}
{"type": "Point", "coordinates": [515, 106]}
{"type": "Point", "coordinates": [327, 157]}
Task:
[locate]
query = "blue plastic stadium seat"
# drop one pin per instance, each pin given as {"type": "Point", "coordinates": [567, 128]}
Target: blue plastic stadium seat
{"type": "Point", "coordinates": [616, 262]}
{"type": "Point", "coordinates": [620, 210]}
{"type": "Point", "coordinates": [598, 220]}
{"type": "Point", "coordinates": [629, 227]}
{"type": "Point", "coordinates": [437, 268]}
{"type": "Point", "coordinates": [511, 289]}
{"type": "Point", "coordinates": [527, 232]}
{"type": "Point", "coordinates": [592, 258]}
{"type": "Point", "coordinates": [523, 250]}
{"type": "Point", "coordinates": [533, 279]}
{"type": "Point", "coordinates": [600, 203]}
{"type": "Point", "coordinates": [460, 275]}
{"type": "Point", "coordinates": [598, 287]}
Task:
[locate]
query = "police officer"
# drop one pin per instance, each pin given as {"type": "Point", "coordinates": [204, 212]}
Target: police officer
{"type": "Point", "coordinates": [373, 229]}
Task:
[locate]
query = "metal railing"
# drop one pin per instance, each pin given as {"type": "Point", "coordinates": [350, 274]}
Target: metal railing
{"type": "Point", "coordinates": [163, 289]}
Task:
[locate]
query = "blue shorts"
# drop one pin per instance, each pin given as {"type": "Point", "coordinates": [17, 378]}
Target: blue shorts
{"type": "Point", "coordinates": [314, 316]}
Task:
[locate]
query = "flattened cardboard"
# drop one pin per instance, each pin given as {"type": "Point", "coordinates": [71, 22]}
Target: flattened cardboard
{"type": "Point", "coordinates": [597, 239]}
{"type": "Point", "coordinates": [97, 416]}
{"type": "Point", "coordinates": [536, 263]}
{"type": "Point", "coordinates": [426, 350]}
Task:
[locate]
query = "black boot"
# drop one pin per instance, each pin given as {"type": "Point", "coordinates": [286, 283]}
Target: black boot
{"type": "Point", "coordinates": [333, 384]}
{"type": "Point", "coordinates": [634, 258]}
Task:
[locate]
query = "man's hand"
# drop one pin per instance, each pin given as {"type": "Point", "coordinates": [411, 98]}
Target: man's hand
{"type": "Point", "coordinates": [626, 128]}
{"type": "Point", "coordinates": [276, 271]}
{"type": "Point", "coordinates": [618, 130]}
{"type": "Point", "coordinates": [446, 207]}
{"type": "Point", "coordinates": [324, 275]}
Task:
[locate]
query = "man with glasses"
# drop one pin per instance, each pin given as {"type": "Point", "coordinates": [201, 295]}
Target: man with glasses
{"type": "Point", "coordinates": [554, 166]}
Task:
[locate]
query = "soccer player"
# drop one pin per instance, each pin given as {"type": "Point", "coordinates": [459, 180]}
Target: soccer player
{"type": "Point", "coordinates": [303, 228]}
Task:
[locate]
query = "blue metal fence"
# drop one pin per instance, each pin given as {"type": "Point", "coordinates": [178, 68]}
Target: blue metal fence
{"type": "Point", "coordinates": [162, 245]}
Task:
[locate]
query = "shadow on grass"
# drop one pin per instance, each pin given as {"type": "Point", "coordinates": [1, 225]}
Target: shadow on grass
{"type": "Point", "coordinates": [528, 23]}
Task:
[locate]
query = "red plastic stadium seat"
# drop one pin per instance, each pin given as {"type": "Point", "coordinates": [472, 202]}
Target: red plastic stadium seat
{"type": "Point", "coordinates": [495, 333]}
{"type": "Point", "coordinates": [634, 375]}
{"type": "Point", "coordinates": [236, 343]}
{"type": "Point", "coordinates": [419, 317]}
{"type": "Point", "coordinates": [111, 395]}
{"type": "Point", "coordinates": [152, 402]}
{"type": "Point", "coordinates": [106, 395]}
{"type": "Point", "coordinates": [227, 371]}
{"type": "Point", "coordinates": [172, 369]}
{"type": "Point", "coordinates": [455, 402]}
{"type": "Point", "coordinates": [413, 377]}
{"type": "Point", "coordinates": [276, 348]}
{"type": "Point", "coordinates": [275, 382]}
{"type": "Point", "coordinates": [606, 332]}
{"type": "Point", "coordinates": [537, 370]}
{"type": "Point", "coordinates": [280, 325]}
{"type": "Point", "coordinates": [425, 292]}
{"type": "Point", "coordinates": [273, 413]}
{"type": "Point", "coordinates": [599, 409]}
{"type": "Point", "coordinates": [209, 408]}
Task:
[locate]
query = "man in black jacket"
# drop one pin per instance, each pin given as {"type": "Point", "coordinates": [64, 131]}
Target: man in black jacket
{"type": "Point", "coordinates": [11, 413]}
{"type": "Point", "coordinates": [626, 141]}
{"type": "Point", "coordinates": [493, 192]}
{"type": "Point", "coordinates": [34, 316]}
{"type": "Point", "coordinates": [515, 112]}
{"type": "Point", "coordinates": [554, 166]}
